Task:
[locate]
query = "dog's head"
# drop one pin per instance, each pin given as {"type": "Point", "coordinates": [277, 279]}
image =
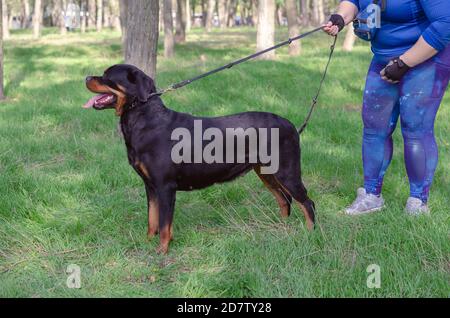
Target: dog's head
{"type": "Point", "coordinates": [120, 85]}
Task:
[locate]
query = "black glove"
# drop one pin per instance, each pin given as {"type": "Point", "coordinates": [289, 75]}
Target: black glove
{"type": "Point", "coordinates": [395, 70]}
{"type": "Point", "coordinates": [337, 20]}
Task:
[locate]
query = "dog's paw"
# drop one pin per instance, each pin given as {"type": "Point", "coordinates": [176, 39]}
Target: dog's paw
{"type": "Point", "coordinates": [162, 249]}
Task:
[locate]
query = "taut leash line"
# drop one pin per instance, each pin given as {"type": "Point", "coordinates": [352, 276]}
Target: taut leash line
{"type": "Point", "coordinates": [245, 59]}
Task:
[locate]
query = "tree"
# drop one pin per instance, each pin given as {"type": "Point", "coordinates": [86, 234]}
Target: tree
{"type": "Point", "coordinates": [265, 36]}
{"type": "Point", "coordinates": [169, 40]}
{"type": "Point", "coordinates": [83, 20]}
{"type": "Point", "coordinates": [5, 22]}
{"type": "Point", "coordinates": [209, 15]}
{"type": "Point", "coordinates": [2, 94]}
{"type": "Point", "coordinates": [99, 15]}
{"type": "Point", "coordinates": [123, 6]}
{"type": "Point", "coordinates": [142, 35]}
{"type": "Point", "coordinates": [180, 34]}
{"type": "Point", "coordinates": [92, 10]}
{"type": "Point", "coordinates": [291, 12]}
{"type": "Point", "coordinates": [59, 7]}
{"type": "Point", "coordinates": [188, 15]}
{"type": "Point", "coordinates": [37, 19]}
{"type": "Point", "coordinates": [223, 13]}
{"type": "Point", "coordinates": [25, 13]}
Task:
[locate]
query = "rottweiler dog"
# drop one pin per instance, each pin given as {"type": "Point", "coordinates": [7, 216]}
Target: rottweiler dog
{"type": "Point", "coordinates": [148, 128]}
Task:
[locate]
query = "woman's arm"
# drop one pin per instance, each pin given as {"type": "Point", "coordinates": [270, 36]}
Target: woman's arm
{"type": "Point", "coordinates": [348, 11]}
{"type": "Point", "coordinates": [420, 52]}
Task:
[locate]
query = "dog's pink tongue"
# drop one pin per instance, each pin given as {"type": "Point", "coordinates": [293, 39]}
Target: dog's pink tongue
{"type": "Point", "coordinates": [92, 101]}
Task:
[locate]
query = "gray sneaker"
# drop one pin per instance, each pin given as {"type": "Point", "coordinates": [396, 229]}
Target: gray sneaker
{"type": "Point", "coordinates": [365, 203]}
{"type": "Point", "coordinates": [415, 207]}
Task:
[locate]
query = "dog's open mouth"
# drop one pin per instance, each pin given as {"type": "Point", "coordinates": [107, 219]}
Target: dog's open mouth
{"type": "Point", "coordinates": [101, 101]}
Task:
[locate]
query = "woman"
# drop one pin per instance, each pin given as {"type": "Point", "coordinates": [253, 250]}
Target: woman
{"type": "Point", "coordinates": [407, 78]}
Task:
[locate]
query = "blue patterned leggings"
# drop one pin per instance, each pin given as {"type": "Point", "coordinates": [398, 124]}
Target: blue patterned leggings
{"type": "Point", "coordinates": [416, 100]}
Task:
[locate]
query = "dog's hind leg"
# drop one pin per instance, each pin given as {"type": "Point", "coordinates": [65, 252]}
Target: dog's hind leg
{"type": "Point", "coordinates": [283, 198]}
{"type": "Point", "coordinates": [293, 185]}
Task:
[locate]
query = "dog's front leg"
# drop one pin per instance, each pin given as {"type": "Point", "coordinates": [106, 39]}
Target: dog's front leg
{"type": "Point", "coordinates": [153, 212]}
{"type": "Point", "coordinates": [166, 202]}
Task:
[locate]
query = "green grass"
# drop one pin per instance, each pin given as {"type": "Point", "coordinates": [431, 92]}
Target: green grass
{"type": "Point", "coordinates": [69, 196]}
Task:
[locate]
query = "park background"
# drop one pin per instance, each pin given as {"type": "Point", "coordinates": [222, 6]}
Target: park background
{"type": "Point", "coordinates": [68, 195]}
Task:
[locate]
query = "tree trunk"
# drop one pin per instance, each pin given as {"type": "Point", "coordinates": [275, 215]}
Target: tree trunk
{"type": "Point", "coordinates": [188, 16]}
{"type": "Point", "coordinates": [115, 15]}
{"type": "Point", "coordinates": [107, 14]}
{"type": "Point", "coordinates": [99, 15]}
{"type": "Point", "coordinates": [169, 40]}
{"type": "Point", "coordinates": [291, 12]}
{"type": "Point", "coordinates": [265, 36]}
{"type": "Point", "coordinates": [210, 15]}
{"type": "Point", "coordinates": [232, 10]}
{"type": "Point", "coordinates": [142, 35]}
{"type": "Point", "coordinates": [304, 12]}
{"type": "Point", "coordinates": [37, 19]}
{"type": "Point", "coordinates": [180, 35]}
{"type": "Point", "coordinates": [83, 18]}
{"type": "Point", "coordinates": [5, 20]}
{"type": "Point", "coordinates": [223, 14]}
{"type": "Point", "coordinates": [60, 6]}
{"type": "Point", "coordinates": [92, 9]}
{"type": "Point", "coordinates": [2, 94]}
{"type": "Point", "coordinates": [254, 12]}
{"type": "Point", "coordinates": [26, 13]}
{"type": "Point", "coordinates": [350, 38]}
{"type": "Point", "coordinates": [123, 6]}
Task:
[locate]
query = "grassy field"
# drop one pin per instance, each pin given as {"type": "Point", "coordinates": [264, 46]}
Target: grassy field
{"type": "Point", "coordinates": [68, 195]}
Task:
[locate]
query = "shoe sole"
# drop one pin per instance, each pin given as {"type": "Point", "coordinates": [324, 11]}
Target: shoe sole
{"type": "Point", "coordinates": [365, 212]}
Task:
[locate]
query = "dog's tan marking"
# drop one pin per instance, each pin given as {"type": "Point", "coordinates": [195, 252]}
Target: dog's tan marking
{"type": "Point", "coordinates": [153, 218]}
{"type": "Point", "coordinates": [309, 222]}
{"type": "Point", "coordinates": [142, 169]}
{"type": "Point", "coordinates": [164, 239]}
{"type": "Point", "coordinates": [273, 186]}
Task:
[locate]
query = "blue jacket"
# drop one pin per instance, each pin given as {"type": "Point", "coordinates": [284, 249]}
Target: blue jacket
{"type": "Point", "coordinates": [404, 21]}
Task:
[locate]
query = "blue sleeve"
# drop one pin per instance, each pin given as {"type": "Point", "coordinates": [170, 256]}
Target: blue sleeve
{"type": "Point", "coordinates": [355, 2]}
{"type": "Point", "coordinates": [438, 33]}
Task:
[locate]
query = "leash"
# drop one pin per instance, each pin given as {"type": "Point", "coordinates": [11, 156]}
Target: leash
{"type": "Point", "coordinates": [245, 59]}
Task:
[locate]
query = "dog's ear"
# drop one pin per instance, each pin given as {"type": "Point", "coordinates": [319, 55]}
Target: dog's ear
{"type": "Point", "coordinates": [143, 83]}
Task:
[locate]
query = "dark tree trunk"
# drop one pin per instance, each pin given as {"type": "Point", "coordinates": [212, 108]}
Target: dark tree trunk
{"type": "Point", "coordinates": [180, 35]}
{"type": "Point", "coordinates": [142, 35]}
{"type": "Point", "coordinates": [168, 29]}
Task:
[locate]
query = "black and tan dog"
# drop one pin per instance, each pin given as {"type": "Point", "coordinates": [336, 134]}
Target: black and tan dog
{"type": "Point", "coordinates": [147, 126]}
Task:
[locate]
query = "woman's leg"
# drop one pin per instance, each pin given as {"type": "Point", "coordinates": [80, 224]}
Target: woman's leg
{"type": "Point", "coordinates": [422, 91]}
{"type": "Point", "coordinates": [380, 116]}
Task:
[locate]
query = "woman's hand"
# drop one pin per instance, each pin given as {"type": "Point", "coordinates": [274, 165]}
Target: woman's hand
{"type": "Point", "coordinates": [331, 29]}
{"type": "Point", "coordinates": [345, 14]}
{"type": "Point", "coordinates": [394, 71]}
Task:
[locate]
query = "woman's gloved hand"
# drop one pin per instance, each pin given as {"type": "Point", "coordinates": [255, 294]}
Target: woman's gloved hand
{"type": "Point", "coordinates": [334, 25]}
{"type": "Point", "coordinates": [394, 71]}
